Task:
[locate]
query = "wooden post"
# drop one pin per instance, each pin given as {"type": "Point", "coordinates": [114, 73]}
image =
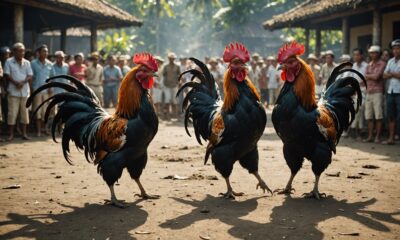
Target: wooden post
{"type": "Point", "coordinates": [63, 39]}
{"type": "Point", "coordinates": [18, 23]}
{"type": "Point", "coordinates": [317, 42]}
{"type": "Point", "coordinates": [376, 27]}
{"type": "Point", "coordinates": [93, 37]}
{"type": "Point", "coordinates": [307, 43]}
{"type": "Point", "coordinates": [345, 36]}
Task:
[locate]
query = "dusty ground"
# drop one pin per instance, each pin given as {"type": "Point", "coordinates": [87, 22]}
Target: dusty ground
{"type": "Point", "coordinates": [58, 201]}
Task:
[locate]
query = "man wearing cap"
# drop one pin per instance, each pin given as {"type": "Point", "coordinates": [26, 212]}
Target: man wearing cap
{"type": "Point", "coordinates": [312, 61]}
{"type": "Point", "coordinates": [78, 69]}
{"type": "Point", "coordinates": [171, 72]}
{"type": "Point", "coordinates": [326, 71]}
{"type": "Point", "coordinates": [18, 72]}
{"type": "Point", "coordinates": [374, 96]}
{"type": "Point", "coordinates": [41, 68]}
{"type": "Point", "coordinates": [94, 76]}
{"type": "Point", "coordinates": [392, 75]}
{"type": "Point", "coordinates": [273, 81]}
{"type": "Point", "coordinates": [217, 74]}
{"type": "Point", "coordinates": [59, 68]}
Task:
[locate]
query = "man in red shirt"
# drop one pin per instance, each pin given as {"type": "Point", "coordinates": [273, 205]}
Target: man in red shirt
{"type": "Point", "coordinates": [374, 96]}
{"type": "Point", "coordinates": [78, 69]}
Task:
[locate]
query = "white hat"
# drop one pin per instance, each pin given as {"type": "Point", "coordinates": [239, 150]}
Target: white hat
{"type": "Point", "coordinates": [272, 58]}
{"type": "Point", "coordinates": [374, 48]}
{"type": "Point", "coordinates": [312, 56]}
{"type": "Point", "coordinates": [59, 53]}
{"type": "Point", "coordinates": [171, 55]}
{"type": "Point", "coordinates": [330, 52]}
{"type": "Point", "coordinates": [345, 57]}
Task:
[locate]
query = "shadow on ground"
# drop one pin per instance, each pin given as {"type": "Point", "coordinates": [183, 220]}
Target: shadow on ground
{"type": "Point", "coordinates": [93, 221]}
{"type": "Point", "coordinates": [294, 213]}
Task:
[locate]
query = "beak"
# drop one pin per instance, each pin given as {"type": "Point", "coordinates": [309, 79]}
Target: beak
{"type": "Point", "coordinates": [154, 74]}
{"type": "Point", "coordinates": [280, 67]}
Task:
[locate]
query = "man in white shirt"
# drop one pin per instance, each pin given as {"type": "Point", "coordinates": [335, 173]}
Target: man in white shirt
{"type": "Point", "coordinates": [19, 75]}
{"type": "Point", "coordinates": [273, 81]}
{"type": "Point", "coordinates": [392, 75]}
{"type": "Point", "coordinates": [361, 66]}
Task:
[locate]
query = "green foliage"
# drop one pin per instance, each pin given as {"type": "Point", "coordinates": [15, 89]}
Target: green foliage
{"type": "Point", "coordinates": [328, 38]}
{"type": "Point", "coordinates": [117, 43]}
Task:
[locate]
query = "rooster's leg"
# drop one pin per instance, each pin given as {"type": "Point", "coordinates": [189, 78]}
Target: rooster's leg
{"type": "Point", "coordinates": [143, 193]}
{"type": "Point", "coordinates": [288, 189]}
{"type": "Point", "coordinates": [261, 184]}
{"type": "Point", "coordinates": [114, 201]}
{"type": "Point", "coordinates": [230, 194]}
{"type": "Point", "coordinates": [315, 193]}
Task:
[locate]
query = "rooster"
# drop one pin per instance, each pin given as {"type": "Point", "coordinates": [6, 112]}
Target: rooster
{"type": "Point", "coordinates": [309, 129]}
{"type": "Point", "coordinates": [233, 126]}
{"type": "Point", "coordinates": [112, 142]}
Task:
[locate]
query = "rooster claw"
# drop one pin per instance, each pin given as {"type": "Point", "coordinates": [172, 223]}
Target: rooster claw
{"type": "Point", "coordinates": [285, 191]}
{"type": "Point", "coordinates": [314, 194]}
{"type": "Point", "coordinates": [264, 187]}
{"type": "Point", "coordinates": [146, 196]}
{"type": "Point", "coordinates": [231, 195]}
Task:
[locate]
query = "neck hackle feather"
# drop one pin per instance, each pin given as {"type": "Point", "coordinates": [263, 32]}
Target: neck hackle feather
{"type": "Point", "coordinates": [304, 86]}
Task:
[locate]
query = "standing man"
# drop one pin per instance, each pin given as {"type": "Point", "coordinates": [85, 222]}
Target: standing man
{"type": "Point", "coordinates": [122, 64]}
{"type": "Point", "coordinates": [374, 97]}
{"type": "Point", "coordinates": [41, 68]}
{"type": "Point", "coordinates": [263, 81]}
{"type": "Point", "coordinates": [78, 69]}
{"type": "Point", "coordinates": [157, 89]}
{"type": "Point", "coordinates": [361, 66]}
{"type": "Point", "coordinates": [171, 72]}
{"type": "Point", "coordinates": [325, 72]}
{"type": "Point", "coordinates": [94, 76]}
{"type": "Point", "coordinates": [59, 68]}
{"type": "Point", "coordinates": [273, 81]}
{"type": "Point", "coordinates": [112, 78]}
{"type": "Point", "coordinates": [392, 75]}
{"type": "Point", "coordinates": [18, 72]}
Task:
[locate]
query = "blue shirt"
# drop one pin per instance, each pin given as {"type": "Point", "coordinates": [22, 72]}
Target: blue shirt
{"type": "Point", "coordinates": [59, 70]}
{"type": "Point", "coordinates": [41, 72]}
{"type": "Point", "coordinates": [112, 75]}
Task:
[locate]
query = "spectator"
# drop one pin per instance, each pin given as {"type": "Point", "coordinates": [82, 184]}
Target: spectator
{"type": "Point", "coordinates": [217, 74]}
{"type": "Point", "coordinates": [254, 74]}
{"type": "Point", "coordinates": [273, 81]}
{"type": "Point", "coordinates": [94, 76]}
{"type": "Point", "coordinates": [78, 69]}
{"type": "Point", "coordinates": [392, 75]}
{"type": "Point", "coordinates": [315, 68]}
{"type": "Point", "coordinates": [345, 58]}
{"type": "Point", "coordinates": [157, 89]}
{"type": "Point", "coordinates": [112, 78]}
{"type": "Point", "coordinates": [19, 74]}
{"type": "Point", "coordinates": [170, 74]}
{"type": "Point", "coordinates": [122, 60]}
{"type": "Point", "coordinates": [325, 72]}
{"type": "Point", "coordinates": [361, 66]}
{"type": "Point", "coordinates": [41, 68]}
{"type": "Point", "coordinates": [262, 81]}
{"type": "Point", "coordinates": [4, 55]}
{"type": "Point", "coordinates": [374, 97]}
{"type": "Point", "coordinates": [59, 68]}
{"type": "Point", "coordinates": [386, 55]}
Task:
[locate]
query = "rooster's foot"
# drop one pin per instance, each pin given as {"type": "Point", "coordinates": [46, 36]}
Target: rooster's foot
{"type": "Point", "coordinates": [287, 190]}
{"type": "Point", "coordinates": [116, 203]}
{"type": "Point", "coordinates": [263, 186]}
{"type": "Point", "coordinates": [314, 194]}
{"type": "Point", "coordinates": [231, 194]}
{"type": "Point", "coordinates": [146, 196]}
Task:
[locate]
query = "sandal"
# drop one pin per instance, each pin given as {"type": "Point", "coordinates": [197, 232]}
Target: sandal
{"type": "Point", "coordinates": [388, 143]}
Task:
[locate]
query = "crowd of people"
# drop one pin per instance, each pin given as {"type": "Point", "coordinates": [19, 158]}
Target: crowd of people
{"type": "Point", "coordinates": [22, 72]}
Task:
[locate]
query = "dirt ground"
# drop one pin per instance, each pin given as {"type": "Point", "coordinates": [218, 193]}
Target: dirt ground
{"type": "Point", "coordinates": [59, 201]}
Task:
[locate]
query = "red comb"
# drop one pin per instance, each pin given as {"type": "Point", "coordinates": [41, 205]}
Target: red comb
{"type": "Point", "coordinates": [147, 60]}
{"type": "Point", "coordinates": [236, 50]}
{"type": "Point", "coordinates": [290, 49]}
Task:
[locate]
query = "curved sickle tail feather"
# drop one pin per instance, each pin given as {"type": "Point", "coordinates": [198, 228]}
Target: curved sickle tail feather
{"type": "Point", "coordinates": [80, 112]}
{"type": "Point", "coordinates": [338, 97]}
{"type": "Point", "coordinates": [202, 100]}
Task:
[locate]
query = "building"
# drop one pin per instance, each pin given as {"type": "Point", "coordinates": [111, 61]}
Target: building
{"type": "Point", "coordinates": [24, 21]}
{"type": "Point", "coordinates": [362, 22]}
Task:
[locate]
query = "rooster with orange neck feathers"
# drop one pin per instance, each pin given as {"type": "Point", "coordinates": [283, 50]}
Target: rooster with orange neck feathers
{"type": "Point", "coordinates": [232, 127]}
{"type": "Point", "coordinates": [113, 142]}
{"type": "Point", "coordinates": [309, 129]}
